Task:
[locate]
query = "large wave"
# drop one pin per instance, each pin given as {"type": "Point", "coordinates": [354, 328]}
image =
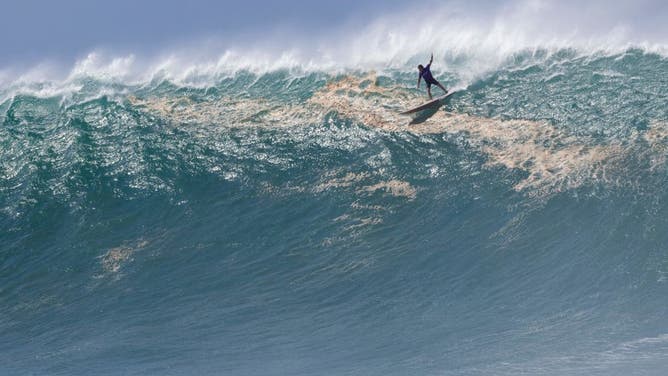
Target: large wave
{"type": "Point", "coordinates": [267, 210]}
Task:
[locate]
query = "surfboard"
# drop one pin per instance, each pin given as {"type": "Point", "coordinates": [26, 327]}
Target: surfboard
{"type": "Point", "coordinates": [424, 106]}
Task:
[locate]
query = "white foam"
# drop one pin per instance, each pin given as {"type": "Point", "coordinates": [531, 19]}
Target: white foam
{"type": "Point", "coordinates": [467, 39]}
{"type": "Point", "coordinates": [97, 65]}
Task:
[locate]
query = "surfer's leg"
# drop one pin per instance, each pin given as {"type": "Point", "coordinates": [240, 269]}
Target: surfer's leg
{"type": "Point", "coordinates": [441, 86]}
{"type": "Point", "coordinates": [429, 89]}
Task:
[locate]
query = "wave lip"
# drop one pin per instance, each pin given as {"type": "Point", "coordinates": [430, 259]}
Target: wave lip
{"type": "Point", "coordinates": [470, 39]}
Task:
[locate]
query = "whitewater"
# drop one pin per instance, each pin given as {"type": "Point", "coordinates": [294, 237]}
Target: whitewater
{"type": "Point", "coordinates": [267, 211]}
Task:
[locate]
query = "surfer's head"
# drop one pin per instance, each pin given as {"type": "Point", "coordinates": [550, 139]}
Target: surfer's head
{"type": "Point", "coordinates": [420, 68]}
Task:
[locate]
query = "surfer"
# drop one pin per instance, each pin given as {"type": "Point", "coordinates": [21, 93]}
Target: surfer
{"type": "Point", "coordinates": [425, 72]}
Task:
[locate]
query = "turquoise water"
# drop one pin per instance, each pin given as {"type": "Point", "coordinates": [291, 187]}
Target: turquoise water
{"type": "Point", "coordinates": [291, 223]}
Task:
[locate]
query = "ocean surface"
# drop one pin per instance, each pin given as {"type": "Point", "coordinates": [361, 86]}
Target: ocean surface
{"type": "Point", "coordinates": [288, 221]}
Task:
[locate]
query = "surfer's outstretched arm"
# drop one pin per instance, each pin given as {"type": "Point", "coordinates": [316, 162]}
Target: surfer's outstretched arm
{"type": "Point", "coordinates": [419, 78]}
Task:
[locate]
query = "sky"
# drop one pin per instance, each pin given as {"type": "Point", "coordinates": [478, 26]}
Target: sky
{"type": "Point", "coordinates": [64, 29]}
{"type": "Point", "coordinates": [65, 32]}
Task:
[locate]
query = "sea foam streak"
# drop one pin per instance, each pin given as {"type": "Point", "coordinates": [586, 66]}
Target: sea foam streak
{"type": "Point", "coordinates": [554, 159]}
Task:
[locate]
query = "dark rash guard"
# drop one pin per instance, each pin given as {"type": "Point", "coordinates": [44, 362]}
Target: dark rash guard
{"type": "Point", "coordinates": [426, 74]}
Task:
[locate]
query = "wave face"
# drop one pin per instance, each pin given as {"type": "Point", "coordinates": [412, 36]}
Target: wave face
{"type": "Point", "coordinates": [291, 222]}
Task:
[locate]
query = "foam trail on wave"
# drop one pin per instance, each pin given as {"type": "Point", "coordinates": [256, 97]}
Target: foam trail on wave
{"type": "Point", "coordinates": [552, 158]}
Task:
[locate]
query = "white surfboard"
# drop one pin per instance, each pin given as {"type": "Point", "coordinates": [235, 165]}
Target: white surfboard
{"type": "Point", "coordinates": [424, 106]}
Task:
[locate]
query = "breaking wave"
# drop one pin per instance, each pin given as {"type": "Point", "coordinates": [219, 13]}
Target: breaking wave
{"type": "Point", "coordinates": [255, 214]}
